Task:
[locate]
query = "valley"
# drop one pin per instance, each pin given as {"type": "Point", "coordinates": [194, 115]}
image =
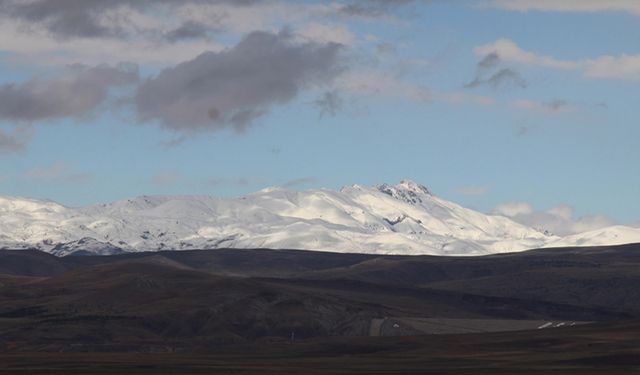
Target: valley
{"type": "Point", "coordinates": [287, 311]}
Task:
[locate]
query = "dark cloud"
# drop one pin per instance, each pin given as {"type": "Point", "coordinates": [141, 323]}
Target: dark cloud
{"type": "Point", "coordinates": [489, 62]}
{"type": "Point", "coordinates": [330, 103]}
{"type": "Point", "coordinates": [77, 92]}
{"type": "Point", "coordinates": [489, 74]}
{"type": "Point", "coordinates": [188, 30]}
{"type": "Point", "coordinates": [15, 141]}
{"type": "Point", "coordinates": [62, 17]}
{"type": "Point", "coordinates": [233, 87]}
{"type": "Point", "coordinates": [502, 78]}
{"type": "Point", "coordinates": [557, 105]}
{"type": "Point", "coordinates": [85, 18]}
{"type": "Point", "coordinates": [373, 8]}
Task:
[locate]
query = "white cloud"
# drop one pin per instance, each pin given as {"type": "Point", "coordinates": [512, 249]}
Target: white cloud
{"type": "Point", "coordinates": [615, 67]}
{"type": "Point", "coordinates": [620, 67]}
{"type": "Point", "coordinates": [558, 220]}
{"type": "Point", "coordinates": [513, 209]}
{"type": "Point", "coordinates": [509, 51]}
{"type": "Point", "coordinates": [629, 6]}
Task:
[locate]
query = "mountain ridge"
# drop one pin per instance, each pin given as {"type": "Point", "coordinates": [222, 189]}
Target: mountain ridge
{"type": "Point", "coordinates": [406, 218]}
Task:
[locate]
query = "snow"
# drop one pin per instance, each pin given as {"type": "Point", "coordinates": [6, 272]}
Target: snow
{"type": "Point", "coordinates": [85, 246]}
{"type": "Point", "coordinates": [388, 219]}
{"type": "Point", "coordinates": [614, 235]}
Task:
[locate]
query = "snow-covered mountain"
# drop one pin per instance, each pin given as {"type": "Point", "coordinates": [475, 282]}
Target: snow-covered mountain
{"type": "Point", "coordinates": [400, 219]}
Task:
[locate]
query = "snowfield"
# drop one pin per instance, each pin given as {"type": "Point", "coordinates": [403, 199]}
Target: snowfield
{"type": "Point", "coordinates": [387, 219]}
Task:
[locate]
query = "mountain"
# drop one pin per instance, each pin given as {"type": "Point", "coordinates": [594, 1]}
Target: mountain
{"type": "Point", "coordinates": [387, 219]}
{"type": "Point", "coordinates": [86, 246]}
{"type": "Point", "coordinates": [614, 235]}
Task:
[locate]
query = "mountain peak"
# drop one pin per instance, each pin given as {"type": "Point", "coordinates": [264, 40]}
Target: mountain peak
{"type": "Point", "coordinates": [413, 186]}
{"type": "Point", "coordinates": [407, 191]}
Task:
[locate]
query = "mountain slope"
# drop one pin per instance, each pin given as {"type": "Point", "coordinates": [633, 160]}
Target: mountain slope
{"type": "Point", "coordinates": [211, 299]}
{"type": "Point", "coordinates": [401, 219]}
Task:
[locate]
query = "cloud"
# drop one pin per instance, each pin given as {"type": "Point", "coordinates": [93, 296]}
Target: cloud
{"type": "Point", "coordinates": [373, 8]}
{"type": "Point", "coordinates": [188, 30]}
{"type": "Point", "coordinates": [77, 92]}
{"type": "Point", "coordinates": [15, 141]}
{"type": "Point", "coordinates": [629, 6]}
{"type": "Point", "coordinates": [59, 172]}
{"type": "Point", "coordinates": [625, 67]}
{"type": "Point", "coordinates": [473, 190]}
{"type": "Point", "coordinates": [488, 73]}
{"type": "Point", "coordinates": [165, 178]}
{"type": "Point", "coordinates": [552, 107]}
{"type": "Point", "coordinates": [162, 32]}
{"type": "Point", "coordinates": [158, 32]}
{"type": "Point", "coordinates": [9, 143]}
{"type": "Point", "coordinates": [233, 87]}
{"type": "Point", "coordinates": [508, 50]}
{"type": "Point", "coordinates": [326, 33]}
{"type": "Point", "coordinates": [558, 220]}
{"type": "Point", "coordinates": [330, 103]}
{"type": "Point", "coordinates": [513, 209]}
{"type": "Point", "coordinates": [490, 61]}
{"type": "Point", "coordinates": [91, 18]}
{"type": "Point", "coordinates": [619, 67]}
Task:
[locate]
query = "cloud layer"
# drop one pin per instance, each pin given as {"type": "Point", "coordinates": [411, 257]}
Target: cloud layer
{"type": "Point", "coordinates": [233, 87]}
{"type": "Point", "coordinates": [489, 73]}
{"type": "Point", "coordinates": [630, 6]}
{"type": "Point", "coordinates": [15, 140]}
{"type": "Point", "coordinates": [78, 91]}
{"type": "Point", "coordinates": [626, 67]}
{"type": "Point", "coordinates": [558, 220]}
{"type": "Point", "coordinates": [91, 18]}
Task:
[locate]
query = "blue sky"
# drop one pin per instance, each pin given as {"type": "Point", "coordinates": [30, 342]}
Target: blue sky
{"type": "Point", "coordinates": [348, 92]}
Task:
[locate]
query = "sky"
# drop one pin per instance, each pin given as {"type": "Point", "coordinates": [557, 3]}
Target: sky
{"type": "Point", "coordinates": [526, 108]}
